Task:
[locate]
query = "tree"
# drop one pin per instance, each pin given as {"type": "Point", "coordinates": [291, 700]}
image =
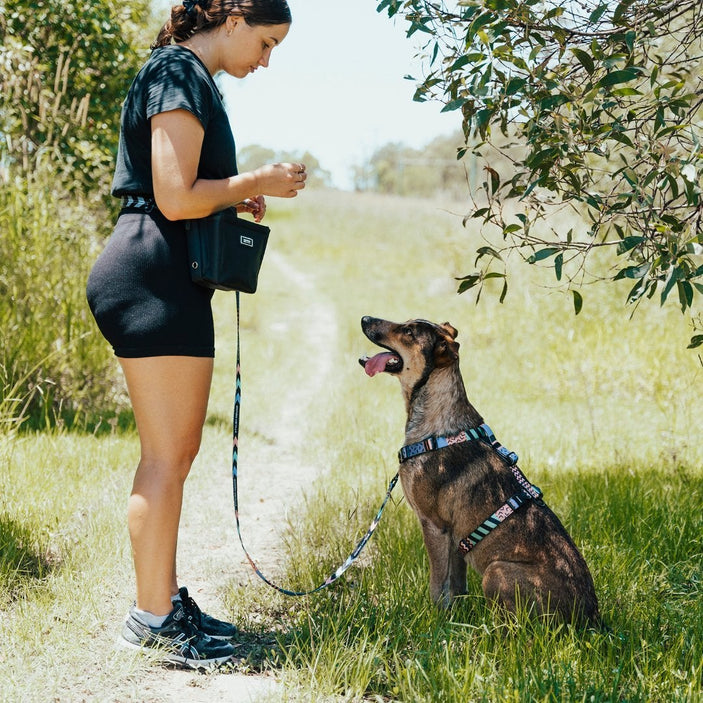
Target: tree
{"type": "Point", "coordinates": [598, 107]}
{"type": "Point", "coordinates": [65, 70]}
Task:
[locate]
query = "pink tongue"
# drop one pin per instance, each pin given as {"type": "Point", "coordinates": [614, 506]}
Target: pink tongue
{"type": "Point", "coordinates": [377, 364]}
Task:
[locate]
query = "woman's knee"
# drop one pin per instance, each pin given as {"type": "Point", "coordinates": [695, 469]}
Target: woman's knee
{"type": "Point", "coordinates": [173, 460]}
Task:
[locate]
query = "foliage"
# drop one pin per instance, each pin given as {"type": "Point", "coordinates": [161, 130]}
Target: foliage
{"type": "Point", "coordinates": [65, 71]}
{"type": "Point", "coordinates": [598, 107]}
{"type": "Point", "coordinates": [53, 363]}
{"type": "Point", "coordinates": [64, 68]}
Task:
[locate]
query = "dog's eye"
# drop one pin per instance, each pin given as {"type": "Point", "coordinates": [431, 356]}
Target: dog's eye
{"type": "Point", "coordinates": [408, 332]}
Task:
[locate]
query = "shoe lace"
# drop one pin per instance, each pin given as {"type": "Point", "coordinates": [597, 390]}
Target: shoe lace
{"type": "Point", "coordinates": [192, 610]}
{"type": "Point", "coordinates": [189, 647]}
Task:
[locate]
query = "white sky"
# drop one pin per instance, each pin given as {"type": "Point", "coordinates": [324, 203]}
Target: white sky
{"type": "Point", "coordinates": [336, 88]}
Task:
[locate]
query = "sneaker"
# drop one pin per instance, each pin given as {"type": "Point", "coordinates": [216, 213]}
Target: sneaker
{"type": "Point", "coordinates": [177, 639]}
{"type": "Point", "coordinates": [217, 629]}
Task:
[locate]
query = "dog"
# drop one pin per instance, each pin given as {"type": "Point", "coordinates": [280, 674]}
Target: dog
{"type": "Point", "coordinates": [528, 560]}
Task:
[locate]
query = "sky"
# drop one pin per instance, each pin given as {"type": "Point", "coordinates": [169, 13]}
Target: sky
{"type": "Point", "coordinates": [336, 88]}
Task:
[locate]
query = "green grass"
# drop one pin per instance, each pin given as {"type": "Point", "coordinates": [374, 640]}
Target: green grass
{"type": "Point", "coordinates": [54, 369]}
{"type": "Point", "coordinates": [378, 635]}
{"type": "Point", "coordinates": [603, 411]}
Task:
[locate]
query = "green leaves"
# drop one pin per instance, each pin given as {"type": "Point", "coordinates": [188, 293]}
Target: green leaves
{"type": "Point", "coordinates": [66, 70]}
{"type": "Point", "coordinates": [593, 107]}
{"type": "Point", "coordinates": [585, 59]}
{"type": "Point", "coordinates": [614, 77]}
{"type": "Point", "coordinates": [541, 255]}
{"type": "Point", "coordinates": [578, 301]}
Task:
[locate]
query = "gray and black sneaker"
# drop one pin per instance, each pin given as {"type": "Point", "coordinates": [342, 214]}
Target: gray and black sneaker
{"type": "Point", "coordinates": [217, 629]}
{"type": "Point", "coordinates": [178, 640]}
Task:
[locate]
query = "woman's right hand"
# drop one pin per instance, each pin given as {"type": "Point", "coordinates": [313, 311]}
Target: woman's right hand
{"type": "Point", "coordinates": [280, 180]}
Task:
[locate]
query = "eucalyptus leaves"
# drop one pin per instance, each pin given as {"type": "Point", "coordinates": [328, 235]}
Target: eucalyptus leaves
{"type": "Point", "coordinates": [597, 107]}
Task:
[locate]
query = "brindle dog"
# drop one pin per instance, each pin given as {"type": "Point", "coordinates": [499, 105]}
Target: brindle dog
{"type": "Point", "coordinates": [529, 559]}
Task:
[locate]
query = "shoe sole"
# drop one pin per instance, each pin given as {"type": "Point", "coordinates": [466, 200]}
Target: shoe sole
{"type": "Point", "coordinates": [169, 657]}
{"type": "Point", "coordinates": [222, 638]}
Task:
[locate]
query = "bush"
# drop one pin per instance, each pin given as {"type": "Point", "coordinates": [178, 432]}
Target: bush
{"type": "Point", "coordinates": [54, 366]}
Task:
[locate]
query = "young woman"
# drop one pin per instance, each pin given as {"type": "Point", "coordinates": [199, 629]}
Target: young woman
{"type": "Point", "coordinates": [176, 161]}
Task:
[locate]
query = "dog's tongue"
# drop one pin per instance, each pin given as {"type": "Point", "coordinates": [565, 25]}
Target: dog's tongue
{"type": "Point", "coordinates": [377, 364]}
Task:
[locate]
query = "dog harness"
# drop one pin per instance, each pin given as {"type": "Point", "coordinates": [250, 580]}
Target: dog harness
{"type": "Point", "coordinates": [484, 433]}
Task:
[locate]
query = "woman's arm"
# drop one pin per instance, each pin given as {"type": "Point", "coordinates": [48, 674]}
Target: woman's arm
{"type": "Point", "coordinates": [176, 140]}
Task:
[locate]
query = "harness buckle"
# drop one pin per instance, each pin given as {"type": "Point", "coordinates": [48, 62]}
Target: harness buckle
{"type": "Point", "coordinates": [510, 457]}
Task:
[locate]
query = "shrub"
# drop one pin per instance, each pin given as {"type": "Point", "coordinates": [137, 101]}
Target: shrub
{"type": "Point", "coordinates": [54, 366]}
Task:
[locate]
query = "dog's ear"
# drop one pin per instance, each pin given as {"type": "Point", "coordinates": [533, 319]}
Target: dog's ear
{"type": "Point", "coordinates": [446, 351]}
{"type": "Point", "coordinates": [449, 329]}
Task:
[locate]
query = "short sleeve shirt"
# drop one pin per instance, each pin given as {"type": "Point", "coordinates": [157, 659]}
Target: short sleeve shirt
{"type": "Point", "coordinates": [173, 78]}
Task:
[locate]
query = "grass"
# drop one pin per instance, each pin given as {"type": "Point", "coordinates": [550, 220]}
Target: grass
{"type": "Point", "coordinates": [380, 637]}
{"type": "Point", "coordinates": [603, 411]}
{"type": "Point", "coordinates": [53, 367]}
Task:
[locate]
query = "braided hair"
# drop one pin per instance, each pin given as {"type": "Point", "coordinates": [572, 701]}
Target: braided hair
{"type": "Point", "coordinates": [203, 15]}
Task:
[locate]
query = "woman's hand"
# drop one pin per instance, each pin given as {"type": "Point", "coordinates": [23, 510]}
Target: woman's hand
{"type": "Point", "coordinates": [281, 180]}
{"type": "Point", "coordinates": [176, 140]}
{"type": "Point", "coordinates": [254, 206]}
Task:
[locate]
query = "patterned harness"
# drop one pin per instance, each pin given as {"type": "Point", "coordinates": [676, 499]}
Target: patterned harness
{"type": "Point", "coordinates": [484, 433]}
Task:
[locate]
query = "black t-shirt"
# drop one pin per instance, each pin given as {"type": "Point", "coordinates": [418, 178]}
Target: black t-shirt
{"type": "Point", "coordinates": [173, 78]}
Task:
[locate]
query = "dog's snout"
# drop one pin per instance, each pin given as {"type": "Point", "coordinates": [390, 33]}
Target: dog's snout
{"type": "Point", "coordinates": [367, 324]}
{"type": "Point", "coordinates": [372, 327]}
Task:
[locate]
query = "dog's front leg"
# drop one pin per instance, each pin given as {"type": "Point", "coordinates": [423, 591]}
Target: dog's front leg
{"type": "Point", "coordinates": [437, 545]}
{"type": "Point", "coordinates": [457, 572]}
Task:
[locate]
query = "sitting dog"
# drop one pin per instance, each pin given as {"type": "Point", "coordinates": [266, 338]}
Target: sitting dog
{"type": "Point", "coordinates": [473, 503]}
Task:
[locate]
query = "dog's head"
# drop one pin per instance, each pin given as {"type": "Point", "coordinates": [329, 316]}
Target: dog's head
{"type": "Point", "coordinates": [414, 348]}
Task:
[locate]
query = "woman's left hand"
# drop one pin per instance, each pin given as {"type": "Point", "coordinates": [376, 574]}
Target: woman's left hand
{"type": "Point", "coordinates": [254, 206]}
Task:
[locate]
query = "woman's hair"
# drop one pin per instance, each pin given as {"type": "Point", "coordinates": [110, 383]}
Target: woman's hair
{"type": "Point", "coordinates": [203, 15]}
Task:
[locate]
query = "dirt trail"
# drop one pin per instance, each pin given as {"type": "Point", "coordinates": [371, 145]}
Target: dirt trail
{"type": "Point", "coordinates": [275, 478]}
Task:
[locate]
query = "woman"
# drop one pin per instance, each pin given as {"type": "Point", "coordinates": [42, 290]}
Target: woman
{"type": "Point", "coordinates": [176, 161]}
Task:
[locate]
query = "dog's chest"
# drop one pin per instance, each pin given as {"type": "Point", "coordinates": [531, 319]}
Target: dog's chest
{"type": "Point", "coordinates": [426, 491]}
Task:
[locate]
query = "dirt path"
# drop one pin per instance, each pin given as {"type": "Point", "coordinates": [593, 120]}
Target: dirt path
{"type": "Point", "coordinates": [274, 479]}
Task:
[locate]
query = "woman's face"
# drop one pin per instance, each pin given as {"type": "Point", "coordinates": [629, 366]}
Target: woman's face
{"type": "Point", "coordinates": [246, 47]}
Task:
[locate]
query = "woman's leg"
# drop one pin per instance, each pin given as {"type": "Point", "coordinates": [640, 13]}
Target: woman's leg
{"type": "Point", "coordinates": [169, 395]}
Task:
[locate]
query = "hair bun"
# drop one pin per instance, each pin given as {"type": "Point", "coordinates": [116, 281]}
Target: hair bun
{"type": "Point", "coordinates": [189, 6]}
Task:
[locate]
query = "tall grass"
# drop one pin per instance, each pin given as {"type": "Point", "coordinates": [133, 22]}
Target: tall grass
{"type": "Point", "coordinates": [53, 364]}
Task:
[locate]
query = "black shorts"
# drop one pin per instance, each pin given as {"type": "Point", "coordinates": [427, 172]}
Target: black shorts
{"type": "Point", "coordinates": [140, 291]}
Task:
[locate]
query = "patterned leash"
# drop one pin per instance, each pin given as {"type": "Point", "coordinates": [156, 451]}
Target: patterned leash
{"type": "Point", "coordinates": [235, 451]}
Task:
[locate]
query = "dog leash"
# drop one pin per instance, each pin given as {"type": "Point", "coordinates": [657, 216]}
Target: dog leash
{"type": "Point", "coordinates": [235, 457]}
